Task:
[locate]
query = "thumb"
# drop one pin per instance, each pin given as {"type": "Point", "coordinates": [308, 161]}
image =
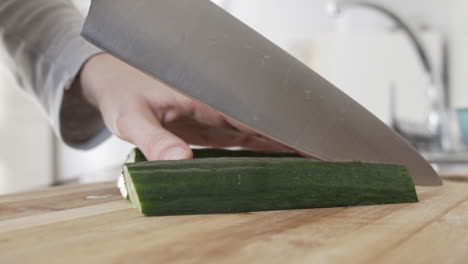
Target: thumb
{"type": "Point", "coordinates": [143, 129]}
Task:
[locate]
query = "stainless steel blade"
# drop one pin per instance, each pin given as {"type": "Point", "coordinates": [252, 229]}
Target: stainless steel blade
{"type": "Point", "coordinates": [204, 52]}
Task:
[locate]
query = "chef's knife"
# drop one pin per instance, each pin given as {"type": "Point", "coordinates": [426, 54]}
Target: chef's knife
{"type": "Point", "coordinates": [204, 52]}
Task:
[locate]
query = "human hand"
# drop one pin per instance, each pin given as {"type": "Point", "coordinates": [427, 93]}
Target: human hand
{"type": "Point", "coordinates": [156, 118]}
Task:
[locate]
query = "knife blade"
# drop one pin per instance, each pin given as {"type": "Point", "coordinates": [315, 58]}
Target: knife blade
{"type": "Point", "coordinates": [199, 49]}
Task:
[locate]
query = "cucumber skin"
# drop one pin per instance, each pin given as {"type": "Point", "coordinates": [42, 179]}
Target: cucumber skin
{"type": "Point", "coordinates": [233, 185]}
{"type": "Point", "coordinates": [136, 155]}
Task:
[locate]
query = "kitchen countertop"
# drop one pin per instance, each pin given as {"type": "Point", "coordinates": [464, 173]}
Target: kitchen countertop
{"type": "Point", "coordinates": [93, 224]}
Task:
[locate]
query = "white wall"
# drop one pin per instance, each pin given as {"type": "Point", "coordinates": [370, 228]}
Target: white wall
{"type": "Point", "coordinates": [290, 24]}
{"type": "Point", "coordinates": [25, 139]}
{"type": "Point", "coordinates": [456, 25]}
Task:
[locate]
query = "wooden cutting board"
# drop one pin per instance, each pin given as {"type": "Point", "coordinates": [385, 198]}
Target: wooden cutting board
{"type": "Point", "coordinates": [93, 224]}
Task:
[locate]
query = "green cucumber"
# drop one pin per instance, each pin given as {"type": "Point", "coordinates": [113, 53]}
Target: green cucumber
{"type": "Point", "coordinates": [239, 184]}
{"type": "Point", "coordinates": [136, 155]}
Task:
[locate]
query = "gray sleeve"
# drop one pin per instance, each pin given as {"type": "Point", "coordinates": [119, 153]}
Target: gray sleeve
{"type": "Point", "coordinates": [46, 53]}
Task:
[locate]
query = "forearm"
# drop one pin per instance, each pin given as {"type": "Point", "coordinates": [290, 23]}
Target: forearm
{"type": "Point", "coordinates": [46, 54]}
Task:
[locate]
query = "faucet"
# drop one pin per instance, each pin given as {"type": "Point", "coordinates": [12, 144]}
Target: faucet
{"type": "Point", "coordinates": [434, 136]}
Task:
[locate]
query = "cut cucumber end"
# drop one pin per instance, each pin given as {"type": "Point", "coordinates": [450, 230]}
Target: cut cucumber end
{"type": "Point", "coordinates": [132, 194]}
{"type": "Point", "coordinates": [122, 187]}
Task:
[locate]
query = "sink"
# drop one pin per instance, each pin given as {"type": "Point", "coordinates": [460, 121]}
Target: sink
{"type": "Point", "coordinates": [450, 157]}
{"type": "Point", "coordinates": [454, 163]}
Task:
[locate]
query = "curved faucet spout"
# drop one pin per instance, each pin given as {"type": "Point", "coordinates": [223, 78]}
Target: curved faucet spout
{"type": "Point", "coordinates": [438, 116]}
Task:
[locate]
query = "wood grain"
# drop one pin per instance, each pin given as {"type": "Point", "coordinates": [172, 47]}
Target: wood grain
{"type": "Point", "coordinates": [62, 225]}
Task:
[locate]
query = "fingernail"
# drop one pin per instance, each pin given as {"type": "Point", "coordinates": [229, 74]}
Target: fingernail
{"type": "Point", "coordinates": [175, 153]}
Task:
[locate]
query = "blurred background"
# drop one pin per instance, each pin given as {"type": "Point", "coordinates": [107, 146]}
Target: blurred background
{"type": "Point", "coordinates": [406, 61]}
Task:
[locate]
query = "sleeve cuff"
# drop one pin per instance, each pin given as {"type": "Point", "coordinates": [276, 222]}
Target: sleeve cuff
{"type": "Point", "coordinates": [78, 123]}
